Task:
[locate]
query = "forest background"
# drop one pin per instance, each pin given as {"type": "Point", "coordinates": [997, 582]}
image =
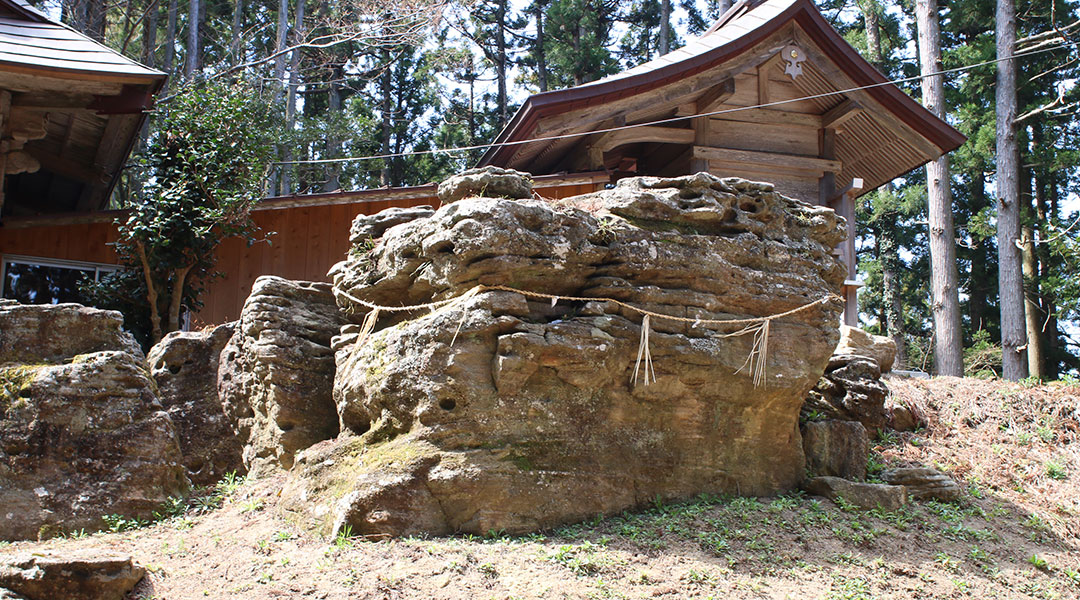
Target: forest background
{"type": "Point", "coordinates": [322, 80]}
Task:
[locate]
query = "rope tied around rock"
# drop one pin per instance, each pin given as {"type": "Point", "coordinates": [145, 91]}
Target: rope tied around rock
{"type": "Point", "coordinates": [758, 326]}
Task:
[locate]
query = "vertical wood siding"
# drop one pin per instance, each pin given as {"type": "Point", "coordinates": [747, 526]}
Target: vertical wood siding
{"type": "Point", "coordinates": [305, 243]}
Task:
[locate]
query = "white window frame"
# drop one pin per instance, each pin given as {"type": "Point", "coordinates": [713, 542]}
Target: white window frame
{"type": "Point", "coordinates": [57, 263]}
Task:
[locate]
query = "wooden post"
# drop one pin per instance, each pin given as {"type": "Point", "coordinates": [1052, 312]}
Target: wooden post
{"type": "Point", "coordinates": [5, 113]}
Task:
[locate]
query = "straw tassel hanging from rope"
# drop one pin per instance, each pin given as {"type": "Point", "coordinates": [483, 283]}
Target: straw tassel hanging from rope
{"type": "Point", "coordinates": [644, 354]}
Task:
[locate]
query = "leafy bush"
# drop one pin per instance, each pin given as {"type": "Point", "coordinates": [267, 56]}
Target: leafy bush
{"type": "Point", "coordinates": [205, 168]}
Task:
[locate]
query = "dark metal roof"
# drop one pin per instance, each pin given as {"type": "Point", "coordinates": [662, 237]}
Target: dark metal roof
{"type": "Point", "coordinates": [30, 40]}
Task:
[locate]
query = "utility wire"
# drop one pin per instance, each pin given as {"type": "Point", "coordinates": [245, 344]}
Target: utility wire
{"type": "Point", "coordinates": [670, 119]}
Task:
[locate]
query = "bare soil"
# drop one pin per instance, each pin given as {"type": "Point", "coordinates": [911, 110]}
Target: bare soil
{"type": "Point", "coordinates": [1014, 535]}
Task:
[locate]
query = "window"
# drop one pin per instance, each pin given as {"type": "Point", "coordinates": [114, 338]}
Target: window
{"type": "Point", "coordinates": [47, 281]}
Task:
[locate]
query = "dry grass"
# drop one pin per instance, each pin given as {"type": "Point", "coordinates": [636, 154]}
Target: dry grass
{"type": "Point", "coordinates": [1013, 440]}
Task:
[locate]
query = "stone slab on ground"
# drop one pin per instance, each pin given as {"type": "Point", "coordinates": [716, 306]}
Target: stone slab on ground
{"type": "Point", "coordinates": [70, 576]}
{"type": "Point", "coordinates": [924, 483]}
{"type": "Point", "coordinates": [866, 496]}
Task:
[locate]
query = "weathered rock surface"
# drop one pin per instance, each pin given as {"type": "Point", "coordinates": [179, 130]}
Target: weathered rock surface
{"type": "Point", "coordinates": [866, 496]}
{"type": "Point", "coordinates": [924, 483]}
{"type": "Point", "coordinates": [372, 227]}
{"type": "Point", "coordinates": [276, 374]}
{"type": "Point", "coordinates": [836, 448]}
{"type": "Point", "coordinates": [82, 440]}
{"type": "Point", "coordinates": [530, 418]}
{"type": "Point", "coordinates": [855, 341]}
{"type": "Point", "coordinates": [486, 182]}
{"type": "Point", "coordinates": [184, 365]}
{"type": "Point", "coordinates": [850, 390]}
{"type": "Point", "coordinates": [48, 333]}
{"type": "Point", "coordinates": [69, 576]}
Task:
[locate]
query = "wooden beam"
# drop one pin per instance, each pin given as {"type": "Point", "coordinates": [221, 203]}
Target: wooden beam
{"type": "Point", "coordinates": [770, 117]}
{"type": "Point", "coordinates": [52, 100]}
{"type": "Point", "coordinates": [839, 114]}
{"type": "Point", "coordinates": [21, 82]}
{"type": "Point", "coordinates": [702, 133]}
{"type": "Point", "coordinates": [5, 118]}
{"type": "Point", "coordinates": [763, 84]}
{"type": "Point", "coordinates": [768, 160]}
{"type": "Point", "coordinates": [715, 96]}
{"type": "Point", "coordinates": [645, 133]}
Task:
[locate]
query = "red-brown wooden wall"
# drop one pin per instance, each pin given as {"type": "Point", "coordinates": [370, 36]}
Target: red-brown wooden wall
{"type": "Point", "coordinates": [307, 241]}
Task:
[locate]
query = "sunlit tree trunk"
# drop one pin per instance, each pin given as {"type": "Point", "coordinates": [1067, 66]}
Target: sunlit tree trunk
{"type": "Point", "coordinates": [948, 340]}
{"type": "Point", "coordinates": [1010, 274]}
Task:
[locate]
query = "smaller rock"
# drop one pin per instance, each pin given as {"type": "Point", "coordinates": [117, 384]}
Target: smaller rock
{"type": "Point", "coordinates": [850, 390]}
{"type": "Point", "coordinates": [71, 576]}
{"type": "Point", "coordinates": [861, 343]}
{"type": "Point", "coordinates": [372, 227]}
{"type": "Point", "coordinates": [866, 496]}
{"type": "Point", "coordinates": [901, 418]}
{"type": "Point", "coordinates": [836, 448]}
{"type": "Point", "coordinates": [486, 182]}
{"type": "Point", "coordinates": [924, 483]}
{"type": "Point", "coordinates": [184, 364]}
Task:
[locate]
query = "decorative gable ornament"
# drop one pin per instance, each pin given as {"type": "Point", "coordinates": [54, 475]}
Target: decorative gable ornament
{"type": "Point", "coordinates": [794, 57]}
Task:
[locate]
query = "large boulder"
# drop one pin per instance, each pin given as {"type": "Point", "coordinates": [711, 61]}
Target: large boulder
{"type": "Point", "coordinates": [367, 228]}
{"type": "Point", "coordinates": [72, 576]}
{"type": "Point", "coordinates": [850, 390]}
{"type": "Point", "coordinates": [276, 374]}
{"type": "Point", "coordinates": [184, 365]}
{"type": "Point", "coordinates": [499, 410]}
{"type": "Point", "coordinates": [82, 440]}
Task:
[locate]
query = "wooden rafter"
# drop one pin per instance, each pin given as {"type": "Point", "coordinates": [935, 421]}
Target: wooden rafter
{"type": "Point", "coordinates": [839, 114]}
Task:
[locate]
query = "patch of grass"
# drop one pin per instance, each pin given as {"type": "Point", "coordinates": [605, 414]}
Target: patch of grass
{"type": "Point", "coordinates": [849, 588]}
{"type": "Point", "coordinates": [1039, 562]}
{"type": "Point", "coordinates": [1056, 470]}
{"type": "Point", "coordinates": [120, 523]}
{"type": "Point", "coordinates": [582, 560]}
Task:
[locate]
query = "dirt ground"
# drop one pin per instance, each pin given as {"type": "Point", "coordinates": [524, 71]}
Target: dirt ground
{"type": "Point", "coordinates": [1014, 535]}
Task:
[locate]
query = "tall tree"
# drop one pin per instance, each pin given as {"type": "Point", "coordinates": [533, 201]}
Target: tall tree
{"type": "Point", "coordinates": [948, 335]}
{"type": "Point", "coordinates": [168, 62]}
{"type": "Point", "coordinates": [1010, 269]}
{"type": "Point", "coordinates": [665, 27]}
{"type": "Point", "coordinates": [192, 66]}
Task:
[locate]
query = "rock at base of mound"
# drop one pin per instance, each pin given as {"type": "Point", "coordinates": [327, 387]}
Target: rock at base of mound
{"type": "Point", "coordinates": [850, 390]}
{"type": "Point", "coordinates": [836, 448]}
{"type": "Point", "coordinates": [509, 411]}
{"type": "Point", "coordinates": [923, 483]}
{"type": "Point", "coordinates": [866, 496]}
{"type": "Point", "coordinates": [861, 343]}
{"type": "Point", "coordinates": [69, 576]}
{"type": "Point", "coordinates": [80, 441]}
{"type": "Point", "coordinates": [184, 365]}
{"type": "Point", "coordinates": [276, 374]}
